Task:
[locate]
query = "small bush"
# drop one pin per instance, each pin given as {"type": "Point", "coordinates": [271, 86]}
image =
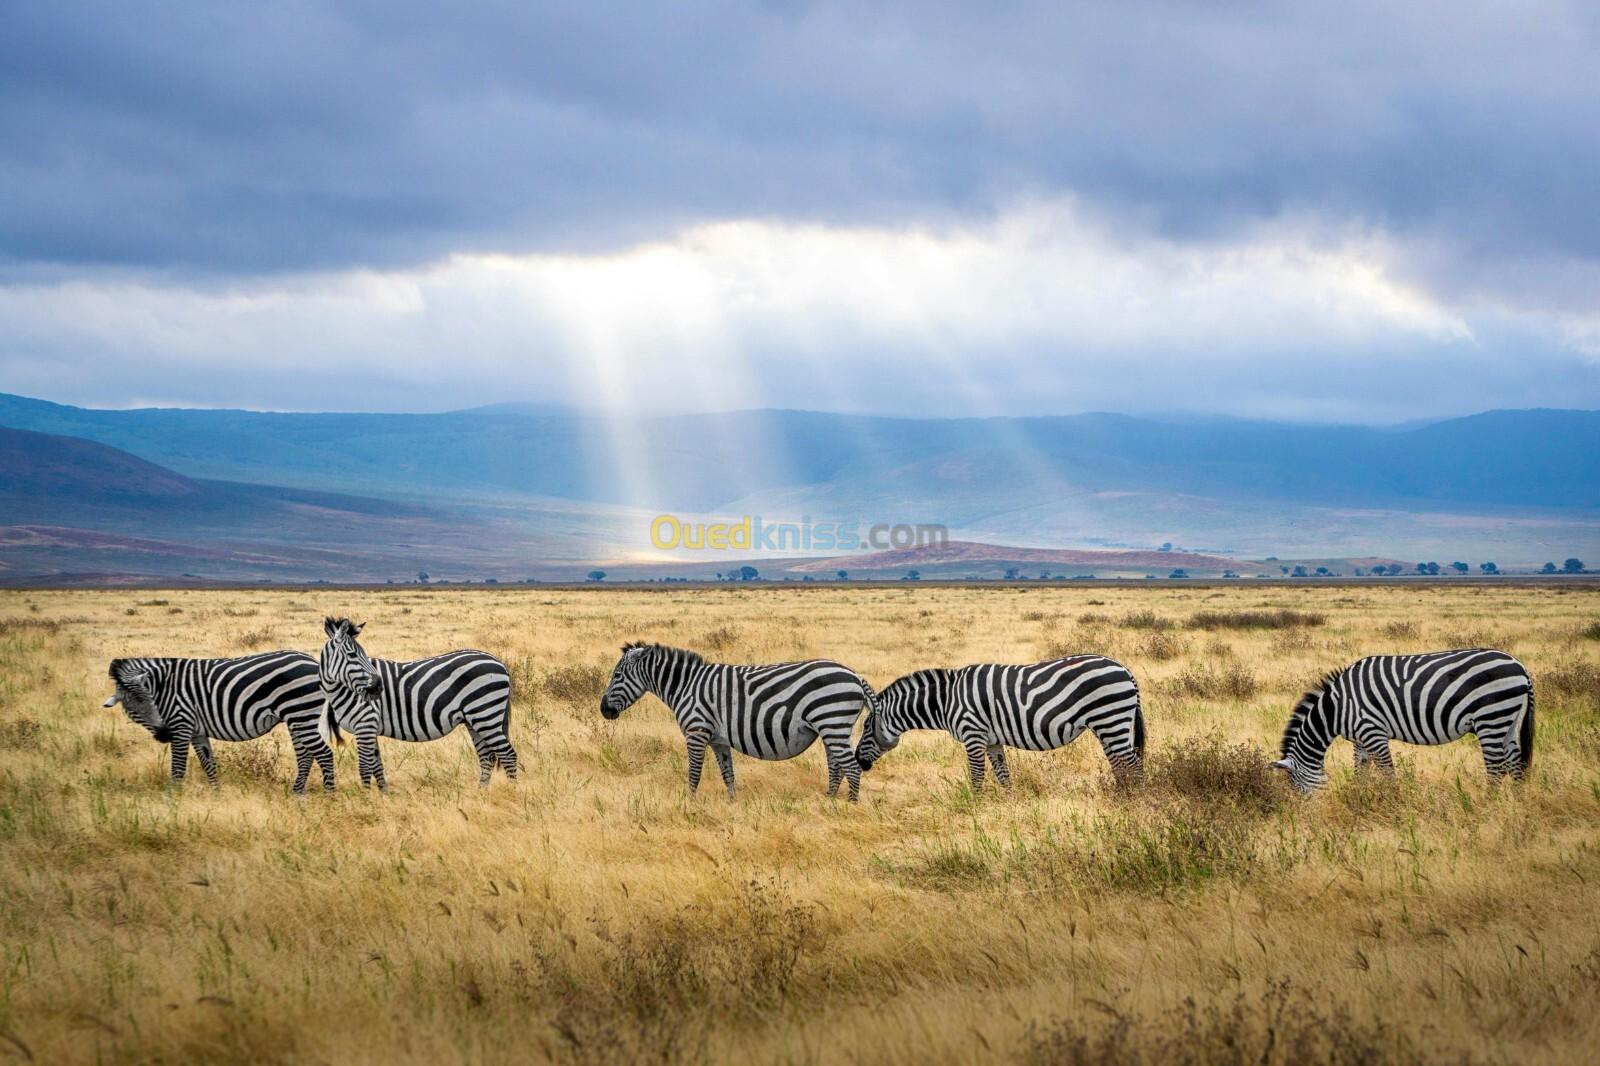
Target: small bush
{"type": "Point", "coordinates": [1208, 769]}
{"type": "Point", "coordinates": [575, 683]}
{"type": "Point", "coordinates": [1399, 630]}
{"type": "Point", "coordinates": [19, 733]}
{"type": "Point", "coordinates": [1161, 645]}
{"type": "Point", "coordinates": [1233, 682]}
{"type": "Point", "coordinates": [1147, 620]}
{"type": "Point", "coordinates": [1574, 678]}
{"type": "Point", "coordinates": [1590, 631]}
{"type": "Point", "coordinates": [1282, 1025]}
{"type": "Point", "coordinates": [255, 760]}
{"type": "Point", "coordinates": [1279, 619]}
{"type": "Point", "coordinates": [255, 638]}
{"type": "Point", "coordinates": [720, 639]}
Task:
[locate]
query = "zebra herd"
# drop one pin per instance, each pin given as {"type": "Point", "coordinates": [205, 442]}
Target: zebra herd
{"type": "Point", "coordinates": [778, 711]}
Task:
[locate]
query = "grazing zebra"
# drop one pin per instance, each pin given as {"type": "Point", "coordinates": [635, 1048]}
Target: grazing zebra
{"type": "Point", "coordinates": [421, 700]}
{"type": "Point", "coordinates": [1432, 698]}
{"type": "Point", "coordinates": [1038, 707]}
{"type": "Point", "coordinates": [771, 712]}
{"type": "Point", "coordinates": [191, 702]}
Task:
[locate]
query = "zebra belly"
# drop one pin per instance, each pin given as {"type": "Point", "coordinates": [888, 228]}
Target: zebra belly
{"type": "Point", "coordinates": [792, 738]}
{"type": "Point", "coordinates": [423, 729]}
{"type": "Point", "coordinates": [257, 724]}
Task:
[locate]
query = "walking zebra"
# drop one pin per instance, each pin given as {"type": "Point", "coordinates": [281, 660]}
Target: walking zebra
{"type": "Point", "coordinates": [771, 712]}
{"type": "Point", "coordinates": [191, 702]}
{"type": "Point", "coordinates": [1038, 707]}
{"type": "Point", "coordinates": [1432, 698]}
{"type": "Point", "coordinates": [421, 700]}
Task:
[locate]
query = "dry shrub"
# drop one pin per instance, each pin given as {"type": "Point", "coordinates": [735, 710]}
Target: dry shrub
{"type": "Point", "coordinates": [657, 985]}
{"type": "Point", "coordinates": [1094, 618]}
{"type": "Point", "coordinates": [255, 638]}
{"type": "Point", "coordinates": [239, 612]}
{"type": "Point", "coordinates": [1573, 678]}
{"type": "Point", "coordinates": [151, 603]}
{"type": "Point", "coordinates": [1278, 619]}
{"type": "Point", "coordinates": [1147, 620]}
{"type": "Point", "coordinates": [1207, 769]}
{"type": "Point", "coordinates": [1289, 641]}
{"type": "Point", "coordinates": [1162, 645]}
{"type": "Point", "coordinates": [253, 760]}
{"type": "Point", "coordinates": [1401, 630]}
{"type": "Point", "coordinates": [575, 683]}
{"type": "Point", "coordinates": [720, 639]}
{"type": "Point", "coordinates": [19, 733]}
{"type": "Point", "coordinates": [1206, 682]}
{"type": "Point", "coordinates": [1590, 631]}
{"type": "Point", "coordinates": [1282, 1025]}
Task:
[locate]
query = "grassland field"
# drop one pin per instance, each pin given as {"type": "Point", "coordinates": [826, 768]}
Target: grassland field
{"type": "Point", "coordinates": [592, 912]}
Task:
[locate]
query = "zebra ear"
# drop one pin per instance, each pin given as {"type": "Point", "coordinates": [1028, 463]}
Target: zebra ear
{"type": "Point", "coordinates": [1281, 764]}
{"type": "Point", "coordinates": [329, 627]}
{"type": "Point", "coordinates": [355, 630]}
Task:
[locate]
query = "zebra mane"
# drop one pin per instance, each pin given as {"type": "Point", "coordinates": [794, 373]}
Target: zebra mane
{"type": "Point", "coordinates": [682, 653]}
{"type": "Point", "coordinates": [1297, 718]}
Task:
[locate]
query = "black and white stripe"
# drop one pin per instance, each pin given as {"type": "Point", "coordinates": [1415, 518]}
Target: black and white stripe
{"type": "Point", "coordinates": [988, 707]}
{"type": "Point", "coordinates": [191, 702]}
{"type": "Point", "coordinates": [421, 700]}
{"type": "Point", "coordinates": [770, 712]}
{"type": "Point", "coordinates": [1432, 698]}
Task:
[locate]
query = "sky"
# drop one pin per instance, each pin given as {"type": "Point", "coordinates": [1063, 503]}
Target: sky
{"type": "Point", "coordinates": [1362, 212]}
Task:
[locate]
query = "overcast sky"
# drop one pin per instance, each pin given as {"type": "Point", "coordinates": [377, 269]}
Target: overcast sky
{"type": "Point", "coordinates": [1369, 212]}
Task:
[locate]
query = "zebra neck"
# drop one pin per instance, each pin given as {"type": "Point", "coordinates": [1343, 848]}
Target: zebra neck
{"type": "Point", "coordinates": [924, 708]}
{"type": "Point", "coordinates": [1314, 730]}
{"type": "Point", "coordinates": [670, 681]}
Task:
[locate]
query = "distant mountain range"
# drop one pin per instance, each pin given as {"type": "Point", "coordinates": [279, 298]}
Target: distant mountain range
{"type": "Point", "coordinates": [511, 490]}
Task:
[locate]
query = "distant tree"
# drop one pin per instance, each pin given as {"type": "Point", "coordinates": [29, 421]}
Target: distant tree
{"type": "Point", "coordinates": [1179, 573]}
{"type": "Point", "coordinates": [842, 575]}
{"type": "Point", "coordinates": [1573, 566]}
{"type": "Point", "coordinates": [912, 575]}
{"type": "Point", "coordinates": [1461, 568]}
{"type": "Point", "coordinates": [1427, 568]}
{"type": "Point", "coordinates": [1548, 568]}
{"type": "Point", "coordinates": [1323, 571]}
{"type": "Point", "coordinates": [1489, 568]}
{"type": "Point", "coordinates": [1359, 573]}
{"type": "Point", "coordinates": [422, 576]}
{"type": "Point", "coordinates": [1166, 546]}
{"type": "Point", "coordinates": [748, 573]}
{"type": "Point", "coordinates": [719, 575]}
{"type": "Point", "coordinates": [808, 577]}
{"type": "Point", "coordinates": [1011, 573]}
{"type": "Point", "coordinates": [1227, 574]}
{"type": "Point", "coordinates": [1285, 569]}
{"type": "Point", "coordinates": [597, 575]}
{"type": "Point", "coordinates": [1044, 575]}
{"type": "Point", "coordinates": [1299, 571]}
{"type": "Point", "coordinates": [491, 581]}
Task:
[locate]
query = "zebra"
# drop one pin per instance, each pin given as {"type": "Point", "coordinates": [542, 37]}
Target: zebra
{"type": "Point", "coordinates": [1432, 698]}
{"type": "Point", "coordinates": [1041, 706]}
{"type": "Point", "coordinates": [770, 712]}
{"type": "Point", "coordinates": [421, 700]}
{"type": "Point", "coordinates": [191, 702]}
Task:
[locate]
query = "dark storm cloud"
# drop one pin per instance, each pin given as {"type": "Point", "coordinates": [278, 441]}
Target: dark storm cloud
{"type": "Point", "coordinates": [244, 139]}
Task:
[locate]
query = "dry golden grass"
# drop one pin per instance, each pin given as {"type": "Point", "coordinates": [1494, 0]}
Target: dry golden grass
{"type": "Point", "coordinates": [590, 912]}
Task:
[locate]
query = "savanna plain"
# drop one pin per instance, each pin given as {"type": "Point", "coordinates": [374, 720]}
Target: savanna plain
{"type": "Point", "coordinates": [591, 911]}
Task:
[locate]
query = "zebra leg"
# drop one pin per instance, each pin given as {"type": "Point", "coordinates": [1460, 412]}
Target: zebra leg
{"type": "Point", "coordinates": [309, 747]}
{"type": "Point", "coordinates": [725, 764]}
{"type": "Point", "coordinates": [371, 763]}
{"type": "Point", "coordinates": [180, 755]}
{"type": "Point", "coordinates": [842, 763]}
{"type": "Point", "coordinates": [1375, 750]}
{"type": "Point", "coordinates": [208, 761]}
{"type": "Point", "coordinates": [997, 756]}
{"type": "Point", "coordinates": [976, 751]}
{"type": "Point", "coordinates": [696, 743]}
{"type": "Point", "coordinates": [1499, 752]}
{"type": "Point", "coordinates": [1117, 741]}
{"type": "Point", "coordinates": [1363, 761]}
{"type": "Point", "coordinates": [506, 755]}
{"type": "Point", "coordinates": [486, 759]}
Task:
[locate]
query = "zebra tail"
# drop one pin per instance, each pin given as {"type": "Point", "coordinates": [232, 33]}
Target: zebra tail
{"type": "Point", "coordinates": [330, 722]}
{"type": "Point", "coordinates": [1525, 737]}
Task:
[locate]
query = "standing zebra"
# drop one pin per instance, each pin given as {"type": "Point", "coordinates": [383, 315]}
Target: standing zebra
{"type": "Point", "coordinates": [771, 712]}
{"type": "Point", "coordinates": [421, 700]}
{"type": "Point", "coordinates": [191, 702]}
{"type": "Point", "coordinates": [1432, 698]}
{"type": "Point", "coordinates": [1037, 707]}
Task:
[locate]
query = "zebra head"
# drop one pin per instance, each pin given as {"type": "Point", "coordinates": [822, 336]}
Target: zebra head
{"type": "Point", "coordinates": [877, 734]}
{"type": "Point", "coordinates": [346, 668]}
{"type": "Point", "coordinates": [628, 682]}
{"type": "Point", "coordinates": [136, 690]}
{"type": "Point", "coordinates": [1305, 740]}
